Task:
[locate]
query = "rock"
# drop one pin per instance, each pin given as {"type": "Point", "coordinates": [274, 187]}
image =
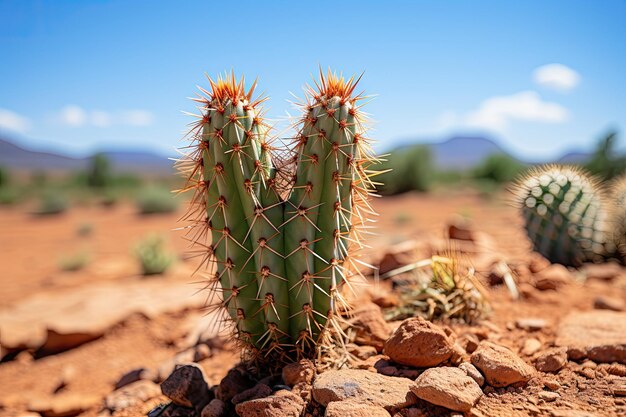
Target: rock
{"type": "Point", "coordinates": [235, 381]}
{"type": "Point", "coordinates": [134, 393]}
{"type": "Point", "coordinates": [302, 371]}
{"type": "Point", "coordinates": [62, 405]}
{"type": "Point", "coordinates": [548, 396]}
{"type": "Point", "coordinates": [530, 324]}
{"type": "Point", "coordinates": [201, 352]}
{"type": "Point", "coordinates": [282, 404]}
{"type": "Point", "coordinates": [460, 228]}
{"type": "Point", "coordinates": [364, 387]}
{"type": "Point", "coordinates": [599, 335]}
{"type": "Point", "coordinates": [605, 271]}
{"type": "Point", "coordinates": [173, 410]}
{"type": "Point", "coordinates": [258, 391]}
{"type": "Point", "coordinates": [74, 321]}
{"type": "Point", "coordinates": [473, 373]}
{"type": "Point", "coordinates": [385, 299]}
{"type": "Point", "coordinates": [354, 409]}
{"type": "Point", "coordinates": [468, 342]}
{"type": "Point", "coordinates": [604, 302]}
{"type": "Point", "coordinates": [552, 277]}
{"type": "Point", "coordinates": [571, 413]}
{"type": "Point", "coordinates": [362, 352]}
{"type": "Point", "coordinates": [418, 342]}
{"type": "Point", "coordinates": [187, 387]}
{"type": "Point", "coordinates": [370, 326]}
{"type": "Point", "coordinates": [552, 360]}
{"type": "Point", "coordinates": [531, 346]}
{"type": "Point", "coordinates": [552, 384]}
{"type": "Point", "coordinates": [619, 391]}
{"type": "Point", "coordinates": [134, 376]}
{"type": "Point", "coordinates": [537, 263]}
{"type": "Point", "coordinates": [216, 408]}
{"type": "Point", "coordinates": [500, 366]}
{"type": "Point", "coordinates": [447, 387]}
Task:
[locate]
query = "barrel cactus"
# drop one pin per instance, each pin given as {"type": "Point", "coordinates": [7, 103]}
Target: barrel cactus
{"type": "Point", "coordinates": [278, 227]}
{"type": "Point", "coordinates": [617, 195]}
{"type": "Point", "coordinates": [565, 214]}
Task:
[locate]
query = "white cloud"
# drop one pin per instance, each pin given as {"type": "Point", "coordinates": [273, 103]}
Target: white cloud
{"type": "Point", "coordinates": [12, 121]}
{"type": "Point", "coordinates": [100, 118]}
{"type": "Point", "coordinates": [137, 117]}
{"type": "Point", "coordinates": [496, 113]}
{"type": "Point", "coordinates": [556, 76]}
{"type": "Point", "coordinates": [75, 116]}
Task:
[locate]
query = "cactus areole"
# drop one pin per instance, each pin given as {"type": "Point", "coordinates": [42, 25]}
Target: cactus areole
{"type": "Point", "coordinates": [278, 227]}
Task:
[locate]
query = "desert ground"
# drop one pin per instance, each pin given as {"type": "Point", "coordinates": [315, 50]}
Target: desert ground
{"type": "Point", "coordinates": [67, 338]}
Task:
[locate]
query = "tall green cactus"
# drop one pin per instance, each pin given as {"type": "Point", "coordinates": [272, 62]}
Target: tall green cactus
{"type": "Point", "coordinates": [564, 213]}
{"type": "Point", "coordinates": [279, 241]}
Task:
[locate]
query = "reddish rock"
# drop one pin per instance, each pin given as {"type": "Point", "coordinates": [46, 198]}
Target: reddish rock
{"type": "Point", "coordinates": [552, 360]}
{"type": "Point", "coordinates": [531, 346]}
{"type": "Point", "coordinates": [460, 228]}
{"type": "Point", "coordinates": [235, 381]}
{"type": "Point", "coordinates": [500, 366]}
{"type": "Point", "coordinates": [187, 387]}
{"type": "Point", "coordinates": [370, 326]}
{"type": "Point", "coordinates": [418, 342]}
{"type": "Point", "coordinates": [609, 303]}
{"type": "Point", "coordinates": [354, 409]}
{"type": "Point", "coordinates": [531, 324]}
{"type": "Point", "coordinates": [364, 387]}
{"type": "Point", "coordinates": [599, 335]}
{"type": "Point", "coordinates": [295, 373]}
{"type": "Point", "coordinates": [216, 408]}
{"type": "Point", "coordinates": [282, 404]}
{"type": "Point", "coordinates": [537, 263]}
{"type": "Point", "coordinates": [135, 393]}
{"type": "Point", "coordinates": [362, 352]}
{"type": "Point", "coordinates": [552, 277]}
{"type": "Point", "coordinates": [473, 373]}
{"type": "Point", "coordinates": [134, 376]}
{"type": "Point", "coordinates": [258, 391]}
{"type": "Point", "coordinates": [447, 387]}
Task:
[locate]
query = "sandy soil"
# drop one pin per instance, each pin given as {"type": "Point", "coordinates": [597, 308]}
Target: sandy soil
{"type": "Point", "coordinates": [32, 247]}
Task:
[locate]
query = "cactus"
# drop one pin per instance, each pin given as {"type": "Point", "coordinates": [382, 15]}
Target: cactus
{"type": "Point", "coordinates": [565, 214]}
{"type": "Point", "coordinates": [279, 235]}
{"type": "Point", "coordinates": [617, 194]}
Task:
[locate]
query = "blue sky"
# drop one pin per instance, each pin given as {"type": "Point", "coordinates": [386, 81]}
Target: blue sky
{"type": "Point", "coordinates": [540, 77]}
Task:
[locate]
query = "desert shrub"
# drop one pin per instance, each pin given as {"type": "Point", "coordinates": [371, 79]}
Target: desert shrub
{"type": "Point", "coordinates": [8, 196]}
{"type": "Point", "coordinates": [153, 256]}
{"type": "Point", "coordinates": [499, 168]}
{"type": "Point", "coordinates": [410, 169]}
{"type": "Point", "coordinates": [51, 202]}
{"type": "Point", "coordinates": [99, 172]}
{"type": "Point", "coordinates": [4, 176]}
{"type": "Point", "coordinates": [74, 262]}
{"type": "Point", "coordinates": [605, 163]}
{"type": "Point", "coordinates": [156, 200]}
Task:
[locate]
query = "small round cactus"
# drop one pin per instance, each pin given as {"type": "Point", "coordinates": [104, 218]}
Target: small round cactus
{"type": "Point", "coordinates": [565, 214]}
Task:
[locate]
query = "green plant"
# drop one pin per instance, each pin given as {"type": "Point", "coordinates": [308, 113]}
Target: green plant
{"type": "Point", "coordinates": [154, 200]}
{"type": "Point", "coordinates": [99, 172]}
{"type": "Point", "coordinates": [439, 288]}
{"type": "Point", "coordinates": [617, 194]}
{"type": "Point", "coordinates": [4, 177]}
{"type": "Point", "coordinates": [153, 256]}
{"type": "Point", "coordinates": [565, 214]}
{"type": "Point", "coordinates": [51, 202]}
{"type": "Point", "coordinates": [604, 162]}
{"type": "Point", "coordinates": [499, 168]}
{"type": "Point", "coordinates": [74, 262]}
{"type": "Point", "coordinates": [282, 230]}
{"type": "Point", "coordinates": [9, 196]}
{"type": "Point", "coordinates": [407, 169]}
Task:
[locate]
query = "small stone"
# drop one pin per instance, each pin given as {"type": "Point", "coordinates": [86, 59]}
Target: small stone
{"type": "Point", "coordinates": [61, 405]}
{"type": "Point", "coordinates": [216, 408]}
{"type": "Point", "coordinates": [363, 386]}
{"type": "Point", "coordinates": [473, 373]}
{"type": "Point", "coordinates": [548, 396]}
{"type": "Point", "coordinates": [531, 324]}
{"type": "Point", "coordinates": [258, 391]}
{"type": "Point", "coordinates": [531, 346]}
{"type": "Point", "coordinates": [604, 272]}
{"type": "Point", "coordinates": [447, 387]}
{"type": "Point", "coordinates": [295, 373]}
{"type": "Point", "coordinates": [354, 409]}
{"type": "Point", "coordinates": [552, 360]}
{"type": "Point", "coordinates": [552, 384]}
{"type": "Point", "coordinates": [469, 342]}
{"type": "Point", "coordinates": [235, 381]}
{"type": "Point", "coordinates": [281, 404]}
{"type": "Point", "coordinates": [619, 391]}
{"type": "Point", "coordinates": [370, 326]}
{"type": "Point", "coordinates": [460, 228]}
{"type": "Point", "coordinates": [363, 352]}
{"type": "Point", "coordinates": [604, 302]}
{"type": "Point", "coordinates": [500, 366]}
{"type": "Point", "coordinates": [418, 342]}
{"type": "Point", "coordinates": [187, 387]}
{"type": "Point", "coordinates": [552, 277]}
{"type": "Point", "coordinates": [134, 393]}
{"type": "Point", "coordinates": [134, 376]}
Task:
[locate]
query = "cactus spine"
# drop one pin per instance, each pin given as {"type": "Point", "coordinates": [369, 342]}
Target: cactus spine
{"type": "Point", "coordinates": [564, 214]}
{"type": "Point", "coordinates": [279, 242]}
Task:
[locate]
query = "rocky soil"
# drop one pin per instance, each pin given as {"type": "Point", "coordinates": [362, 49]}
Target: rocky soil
{"type": "Point", "coordinates": [105, 341]}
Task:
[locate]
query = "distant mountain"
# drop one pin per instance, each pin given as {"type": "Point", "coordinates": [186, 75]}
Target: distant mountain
{"type": "Point", "coordinates": [575, 157]}
{"type": "Point", "coordinates": [462, 152]}
{"type": "Point", "coordinates": [137, 162]}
